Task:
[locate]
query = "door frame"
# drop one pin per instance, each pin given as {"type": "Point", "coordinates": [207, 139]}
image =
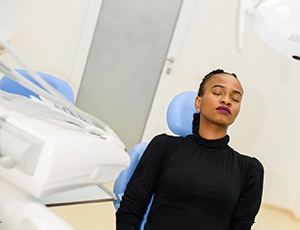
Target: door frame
{"type": "Point", "coordinates": [81, 41]}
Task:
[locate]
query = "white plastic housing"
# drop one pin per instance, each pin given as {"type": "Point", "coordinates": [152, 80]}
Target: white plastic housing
{"type": "Point", "coordinates": [20, 211]}
{"type": "Point", "coordinates": [43, 156]}
{"type": "Point", "coordinates": [277, 23]}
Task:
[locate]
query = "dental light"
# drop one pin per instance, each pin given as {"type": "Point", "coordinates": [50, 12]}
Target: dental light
{"type": "Point", "coordinates": [277, 23]}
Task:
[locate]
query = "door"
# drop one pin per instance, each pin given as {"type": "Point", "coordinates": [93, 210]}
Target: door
{"type": "Point", "coordinates": [128, 54]}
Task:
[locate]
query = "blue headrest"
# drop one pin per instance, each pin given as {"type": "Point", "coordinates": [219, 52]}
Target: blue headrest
{"type": "Point", "coordinates": [180, 113]}
{"type": "Point", "coordinates": [11, 86]}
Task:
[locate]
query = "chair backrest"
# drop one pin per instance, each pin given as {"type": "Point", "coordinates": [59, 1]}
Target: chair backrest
{"type": "Point", "coordinates": [179, 119]}
{"type": "Point", "coordinates": [180, 113]}
{"type": "Point", "coordinates": [11, 86]}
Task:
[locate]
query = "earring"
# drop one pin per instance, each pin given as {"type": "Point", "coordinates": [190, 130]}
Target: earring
{"type": "Point", "coordinates": [198, 110]}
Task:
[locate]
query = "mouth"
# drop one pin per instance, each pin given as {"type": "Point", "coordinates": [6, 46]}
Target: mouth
{"type": "Point", "coordinates": [224, 109]}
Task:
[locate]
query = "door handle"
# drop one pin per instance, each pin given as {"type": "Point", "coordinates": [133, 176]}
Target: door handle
{"type": "Point", "coordinates": [169, 59]}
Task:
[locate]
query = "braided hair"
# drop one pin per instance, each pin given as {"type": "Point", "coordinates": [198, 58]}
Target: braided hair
{"type": "Point", "coordinates": [208, 76]}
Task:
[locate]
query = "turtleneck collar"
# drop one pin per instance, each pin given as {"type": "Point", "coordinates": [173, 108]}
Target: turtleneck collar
{"type": "Point", "coordinates": [215, 144]}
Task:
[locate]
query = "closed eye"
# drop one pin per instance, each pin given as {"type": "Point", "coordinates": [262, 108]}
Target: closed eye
{"type": "Point", "coordinates": [236, 100]}
{"type": "Point", "coordinates": [217, 93]}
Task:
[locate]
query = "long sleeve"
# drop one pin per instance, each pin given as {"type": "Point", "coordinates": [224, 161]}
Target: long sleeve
{"type": "Point", "coordinates": [250, 198]}
{"type": "Point", "coordinates": [141, 186]}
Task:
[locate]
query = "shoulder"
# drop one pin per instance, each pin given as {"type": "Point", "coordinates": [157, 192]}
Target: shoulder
{"type": "Point", "coordinates": [164, 139]}
{"type": "Point", "coordinates": [163, 144]}
{"type": "Point", "coordinates": [256, 169]}
{"type": "Point", "coordinates": [257, 165]}
{"type": "Point", "coordinates": [249, 160]}
{"type": "Point", "coordinates": [253, 162]}
{"type": "Point", "coordinates": [249, 165]}
{"type": "Point", "coordinates": [253, 169]}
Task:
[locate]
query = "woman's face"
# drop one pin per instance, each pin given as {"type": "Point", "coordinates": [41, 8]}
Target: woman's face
{"type": "Point", "coordinates": [220, 104]}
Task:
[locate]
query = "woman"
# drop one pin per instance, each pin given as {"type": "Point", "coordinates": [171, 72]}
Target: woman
{"type": "Point", "coordinates": [199, 181]}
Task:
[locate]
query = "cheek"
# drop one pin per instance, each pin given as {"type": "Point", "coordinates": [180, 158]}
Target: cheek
{"type": "Point", "coordinates": [206, 100]}
{"type": "Point", "coordinates": [203, 104]}
{"type": "Point", "coordinates": [237, 109]}
{"type": "Point", "coordinates": [208, 107]}
{"type": "Point", "coordinates": [210, 103]}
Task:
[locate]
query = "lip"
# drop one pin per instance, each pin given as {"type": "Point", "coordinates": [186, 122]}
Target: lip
{"type": "Point", "coordinates": [224, 109]}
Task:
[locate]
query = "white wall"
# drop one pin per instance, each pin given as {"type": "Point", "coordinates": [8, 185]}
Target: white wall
{"type": "Point", "coordinates": [268, 123]}
{"type": "Point", "coordinates": [42, 33]}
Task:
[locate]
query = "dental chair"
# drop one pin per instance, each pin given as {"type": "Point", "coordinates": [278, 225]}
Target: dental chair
{"type": "Point", "coordinates": [179, 119]}
{"type": "Point", "coordinates": [11, 86]}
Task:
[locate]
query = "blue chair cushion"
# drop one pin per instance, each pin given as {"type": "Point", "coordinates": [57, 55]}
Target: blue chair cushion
{"type": "Point", "coordinates": [11, 86]}
{"type": "Point", "coordinates": [180, 113]}
{"type": "Point", "coordinates": [135, 155]}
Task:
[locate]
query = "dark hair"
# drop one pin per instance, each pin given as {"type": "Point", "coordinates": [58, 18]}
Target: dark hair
{"type": "Point", "coordinates": [208, 76]}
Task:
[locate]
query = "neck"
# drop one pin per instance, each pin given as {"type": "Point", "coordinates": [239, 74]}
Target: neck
{"type": "Point", "coordinates": [211, 131]}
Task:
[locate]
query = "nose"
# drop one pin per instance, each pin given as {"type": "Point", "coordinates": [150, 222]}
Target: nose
{"type": "Point", "coordinates": [226, 100]}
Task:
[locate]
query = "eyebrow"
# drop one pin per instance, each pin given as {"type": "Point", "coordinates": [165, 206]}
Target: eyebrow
{"type": "Point", "coordinates": [223, 87]}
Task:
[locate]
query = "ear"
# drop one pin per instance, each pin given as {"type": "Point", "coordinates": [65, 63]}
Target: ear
{"type": "Point", "coordinates": [198, 103]}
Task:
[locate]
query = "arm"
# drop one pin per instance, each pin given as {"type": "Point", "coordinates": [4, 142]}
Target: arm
{"type": "Point", "coordinates": [141, 186]}
{"type": "Point", "coordinates": [250, 199]}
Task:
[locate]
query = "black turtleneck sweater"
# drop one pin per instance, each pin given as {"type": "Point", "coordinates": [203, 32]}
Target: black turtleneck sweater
{"type": "Point", "coordinates": [198, 184]}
